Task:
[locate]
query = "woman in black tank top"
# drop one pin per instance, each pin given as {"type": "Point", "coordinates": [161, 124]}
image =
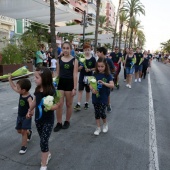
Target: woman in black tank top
{"type": "Point", "coordinates": [67, 70]}
{"type": "Point", "coordinates": [129, 65]}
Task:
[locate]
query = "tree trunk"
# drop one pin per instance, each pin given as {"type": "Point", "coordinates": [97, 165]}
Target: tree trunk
{"type": "Point", "coordinates": [126, 37]}
{"type": "Point", "coordinates": [120, 37]}
{"type": "Point", "coordinates": [115, 30]}
{"type": "Point", "coordinates": [97, 24]}
{"type": "Point", "coordinates": [131, 36]}
{"type": "Point", "coordinates": [52, 27]}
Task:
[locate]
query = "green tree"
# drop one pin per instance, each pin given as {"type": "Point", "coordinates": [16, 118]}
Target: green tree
{"type": "Point", "coordinates": [115, 29]}
{"type": "Point", "coordinates": [140, 38]}
{"type": "Point", "coordinates": [102, 21]}
{"type": "Point", "coordinates": [132, 8]}
{"type": "Point", "coordinates": [122, 19]}
{"type": "Point", "coordinates": [166, 46]}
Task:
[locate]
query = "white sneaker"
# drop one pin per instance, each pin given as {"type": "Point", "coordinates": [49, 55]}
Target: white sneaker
{"type": "Point", "coordinates": [97, 131]}
{"type": "Point", "coordinates": [105, 127]}
{"type": "Point", "coordinates": [127, 85]}
{"type": "Point", "coordinates": [43, 168]}
{"type": "Point", "coordinates": [48, 159]}
{"type": "Point", "coordinates": [139, 79]}
{"type": "Point", "coordinates": [135, 80]}
{"type": "Point", "coordinates": [130, 87]}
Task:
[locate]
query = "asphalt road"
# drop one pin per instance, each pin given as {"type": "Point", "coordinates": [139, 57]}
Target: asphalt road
{"type": "Point", "coordinates": [124, 147]}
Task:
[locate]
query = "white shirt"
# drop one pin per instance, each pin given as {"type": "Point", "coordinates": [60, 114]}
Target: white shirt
{"type": "Point", "coordinates": [53, 63]}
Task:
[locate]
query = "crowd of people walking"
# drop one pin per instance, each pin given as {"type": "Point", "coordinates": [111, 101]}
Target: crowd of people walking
{"type": "Point", "coordinates": [105, 68]}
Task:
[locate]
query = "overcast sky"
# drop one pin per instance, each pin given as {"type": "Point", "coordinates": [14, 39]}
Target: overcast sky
{"type": "Point", "coordinates": [156, 22]}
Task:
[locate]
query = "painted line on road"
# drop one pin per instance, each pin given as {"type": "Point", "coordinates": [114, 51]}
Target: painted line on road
{"type": "Point", "coordinates": [15, 108]}
{"type": "Point", "coordinates": [153, 151]}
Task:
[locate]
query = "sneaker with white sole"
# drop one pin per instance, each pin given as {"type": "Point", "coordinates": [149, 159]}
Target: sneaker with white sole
{"type": "Point", "coordinates": [139, 79]}
{"type": "Point", "coordinates": [43, 168]}
{"type": "Point", "coordinates": [23, 150]}
{"type": "Point", "coordinates": [105, 127]}
{"type": "Point", "coordinates": [135, 80]}
{"type": "Point", "coordinates": [130, 87]}
{"type": "Point", "coordinates": [127, 85]}
{"type": "Point", "coordinates": [97, 131]}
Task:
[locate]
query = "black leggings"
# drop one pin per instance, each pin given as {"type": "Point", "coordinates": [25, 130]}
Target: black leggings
{"type": "Point", "coordinates": [100, 110]}
{"type": "Point", "coordinates": [144, 70]}
{"type": "Point", "coordinates": [44, 131]}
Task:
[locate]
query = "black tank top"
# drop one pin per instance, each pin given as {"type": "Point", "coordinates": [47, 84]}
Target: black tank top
{"type": "Point", "coordinates": [129, 61]}
{"type": "Point", "coordinates": [23, 105]}
{"type": "Point", "coordinates": [66, 68]}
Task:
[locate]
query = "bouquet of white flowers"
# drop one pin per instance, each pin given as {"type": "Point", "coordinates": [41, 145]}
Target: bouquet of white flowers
{"type": "Point", "coordinates": [82, 60]}
{"type": "Point", "coordinates": [93, 82]}
{"type": "Point", "coordinates": [48, 102]}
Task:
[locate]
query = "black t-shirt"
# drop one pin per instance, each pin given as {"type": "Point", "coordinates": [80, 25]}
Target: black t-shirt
{"type": "Point", "coordinates": [110, 63]}
{"type": "Point", "coordinates": [146, 61]}
{"type": "Point", "coordinates": [51, 54]}
{"type": "Point", "coordinates": [138, 58]}
{"type": "Point", "coordinates": [23, 105]}
{"type": "Point", "coordinates": [90, 63]}
{"type": "Point", "coordinates": [66, 68]}
{"type": "Point", "coordinates": [115, 56]}
{"type": "Point", "coordinates": [104, 91]}
{"type": "Point", "coordinates": [46, 116]}
{"type": "Point", "coordinates": [150, 56]}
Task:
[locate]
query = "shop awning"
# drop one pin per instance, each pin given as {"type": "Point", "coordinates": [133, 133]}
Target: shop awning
{"type": "Point", "coordinates": [100, 36]}
{"type": "Point", "coordinates": [36, 10]}
{"type": "Point", "coordinates": [76, 29]}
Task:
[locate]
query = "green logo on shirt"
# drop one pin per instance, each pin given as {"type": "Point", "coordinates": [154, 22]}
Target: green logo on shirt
{"type": "Point", "coordinates": [22, 103]}
{"type": "Point", "coordinates": [66, 66]}
{"type": "Point", "coordinates": [104, 80]}
{"type": "Point", "coordinates": [116, 55]}
{"type": "Point", "coordinates": [89, 63]}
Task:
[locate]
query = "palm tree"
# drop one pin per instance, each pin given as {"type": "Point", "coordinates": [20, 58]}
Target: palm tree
{"type": "Point", "coordinates": [140, 38]}
{"type": "Point", "coordinates": [97, 24]}
{"type": "Point", "coordinates": [133, 8]}
{"type": "Point", "coordinates": [115, 30]}
{"type": "Point", "coordinates": [134, 25]}
{"type": "Point", "coordinates": [102, 21]}
{"type": "Point", "coordinates": [52, 27]}
{"type": "Point", "coordinates": [122, 19]}
{"type": "Point", "coordinates": [136, 29]}
{"type": "Point", "coordinates": [38, 31]}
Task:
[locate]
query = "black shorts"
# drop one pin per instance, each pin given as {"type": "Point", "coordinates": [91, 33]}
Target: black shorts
{"type": "Point", "coordinates": [65, 84]}
{"type": "Point", "coordinates": [23, 123]}
{"type": "Point", "coordinates": [82, 86]}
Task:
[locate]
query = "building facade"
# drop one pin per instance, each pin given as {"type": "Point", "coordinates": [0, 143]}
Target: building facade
{"type": "Point", "coordinates": [110, 13]}
{"type": "Point", "coordinates": [6, 30]}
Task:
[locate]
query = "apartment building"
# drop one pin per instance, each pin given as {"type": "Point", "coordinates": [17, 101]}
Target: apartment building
{"type": "Point", "coordinates": [6, 29]}
{"type": "Point", "coordinates": [110, 13]}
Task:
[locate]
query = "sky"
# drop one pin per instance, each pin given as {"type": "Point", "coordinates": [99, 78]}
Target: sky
{"type": "Point", "coordinates": [156, 24]}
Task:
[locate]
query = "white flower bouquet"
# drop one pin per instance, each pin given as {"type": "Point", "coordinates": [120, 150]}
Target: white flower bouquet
{"type": "Point", "coordinates": [93, 83]}
{"type": "Point", "coordinates": [82, 60]}
{"type": "Point", "coordinates": [48, 102]}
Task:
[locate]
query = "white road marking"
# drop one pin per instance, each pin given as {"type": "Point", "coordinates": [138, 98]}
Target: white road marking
{"type": "Point", "coordinates": [15, 108]}
{"type": "Point", "coordinates": [153, 151]}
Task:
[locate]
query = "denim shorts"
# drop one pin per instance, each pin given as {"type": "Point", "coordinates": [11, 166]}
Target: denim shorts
{"type": "Point", "coordinates": [129, 70]}
{"type": "Point", "coordinates": [23, 123]}
{"type": "Point", "coordinates": [53, 69]}
{"type": "Point", "coordinates": [138, 68]}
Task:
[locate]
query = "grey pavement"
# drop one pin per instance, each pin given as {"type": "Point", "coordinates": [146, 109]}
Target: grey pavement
{"type": "Point", "coordinates": [124, 147]}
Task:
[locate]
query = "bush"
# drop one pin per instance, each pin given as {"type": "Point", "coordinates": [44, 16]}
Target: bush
{"type": "Point", "coordinates": [11, 54]}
